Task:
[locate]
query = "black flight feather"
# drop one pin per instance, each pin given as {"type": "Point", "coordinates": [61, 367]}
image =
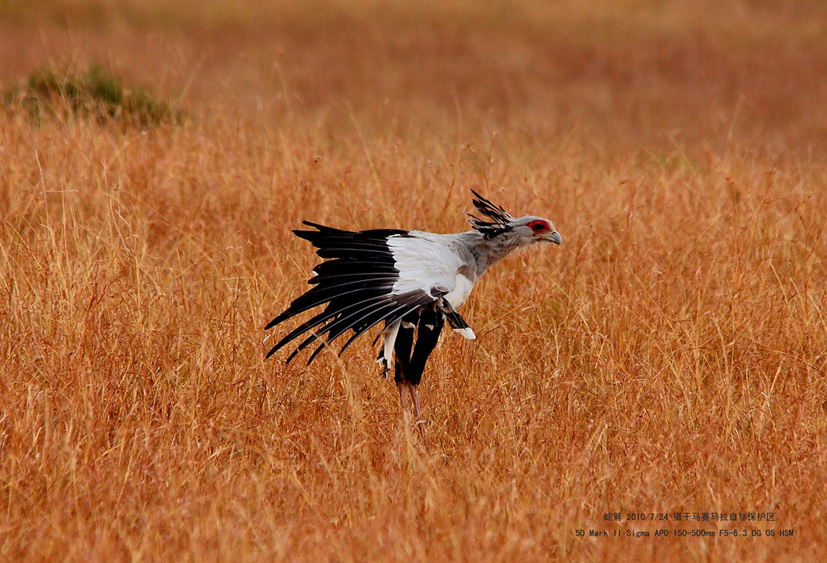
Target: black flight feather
{"type": "Point", "coordinates": [366, 323]}
{"type": "Point", "coordinates": [354, 283]}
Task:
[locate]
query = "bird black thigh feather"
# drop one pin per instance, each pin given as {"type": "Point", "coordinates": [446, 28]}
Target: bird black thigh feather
{"type": "Point", "coordinates": [409, 366]}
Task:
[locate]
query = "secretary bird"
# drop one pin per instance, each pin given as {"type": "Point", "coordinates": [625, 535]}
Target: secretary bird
{"type": "Point", "coordinates": [411, 280]}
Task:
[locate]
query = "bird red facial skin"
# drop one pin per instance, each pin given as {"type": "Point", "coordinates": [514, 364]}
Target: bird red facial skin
{"type": "Point", "coordinates": [539, 227]}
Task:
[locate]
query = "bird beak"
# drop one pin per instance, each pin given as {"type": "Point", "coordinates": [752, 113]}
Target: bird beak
{"type": "Point", "coordinates": [554, 237]}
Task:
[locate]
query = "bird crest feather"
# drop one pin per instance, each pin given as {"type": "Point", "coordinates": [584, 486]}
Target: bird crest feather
{"type": "Point", "coordinates": [500, 218]}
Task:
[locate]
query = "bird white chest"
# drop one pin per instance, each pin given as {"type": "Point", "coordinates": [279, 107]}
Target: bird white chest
{"type": "Point", "coordinates": [461, 292]}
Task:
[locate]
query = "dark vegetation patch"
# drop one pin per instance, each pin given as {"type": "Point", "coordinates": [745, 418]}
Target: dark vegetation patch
{"type": "Point", "coordinates": [97, 94]}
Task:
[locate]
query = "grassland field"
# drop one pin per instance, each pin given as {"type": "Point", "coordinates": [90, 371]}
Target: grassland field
{"type": "Point", "coordinates": [669, 358]}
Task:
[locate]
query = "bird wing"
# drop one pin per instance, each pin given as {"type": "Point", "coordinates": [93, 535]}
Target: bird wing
{"type": "Point", "coordinates": [425, 261]}
{"type": "Point", "coordinates": [368, 277]}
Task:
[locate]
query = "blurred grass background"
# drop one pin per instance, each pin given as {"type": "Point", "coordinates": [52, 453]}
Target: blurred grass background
{"type": "Point", "coordinates": [620, 74]}
{"type": "Point", "coordinates": [668, 358]}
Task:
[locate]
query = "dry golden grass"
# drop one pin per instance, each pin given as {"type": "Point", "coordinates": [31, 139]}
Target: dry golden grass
{"type": "Point", "coordinates": [670, 357]}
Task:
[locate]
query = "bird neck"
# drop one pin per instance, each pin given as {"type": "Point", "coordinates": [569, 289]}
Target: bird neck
{"type": "Point", "coordinates": [488, 252]}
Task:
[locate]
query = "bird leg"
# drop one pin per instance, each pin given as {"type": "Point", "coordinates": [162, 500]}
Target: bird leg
{"type": "Point", "coordinates": [412, 389]}
{"type": "Point", "coordinates": [402, 386]}
{"type": "Point", "coordinates": [420, 422]}
{"type": "Point", "coordinates": [402, 349]}
{"type": "Point", "coordinates": [410, 360]}
{"type": "Point", "coordinates": [431, 322]}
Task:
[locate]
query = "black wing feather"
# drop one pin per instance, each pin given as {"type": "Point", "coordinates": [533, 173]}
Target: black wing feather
{"type": "Point", "coordinates": [355, 283]}
{"type": "Point", "coordinates": [339, 325]}
{"type": "Point", "coordinates": [319, 319]}
{"type": "Point", "coordinates": [366, 323]}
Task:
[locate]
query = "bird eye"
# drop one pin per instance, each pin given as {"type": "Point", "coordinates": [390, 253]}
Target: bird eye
{"type": "Point", "coordinates": [537, 226]}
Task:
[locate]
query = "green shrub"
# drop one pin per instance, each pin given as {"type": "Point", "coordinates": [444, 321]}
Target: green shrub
{"type": "Point", "coordinates": [96, 94]}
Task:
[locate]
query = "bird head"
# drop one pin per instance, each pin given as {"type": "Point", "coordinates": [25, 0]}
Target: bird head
{"type": "Point", "coordinates": [524, 230]}
{"type": "Point", "coordinates": [533, 229]}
